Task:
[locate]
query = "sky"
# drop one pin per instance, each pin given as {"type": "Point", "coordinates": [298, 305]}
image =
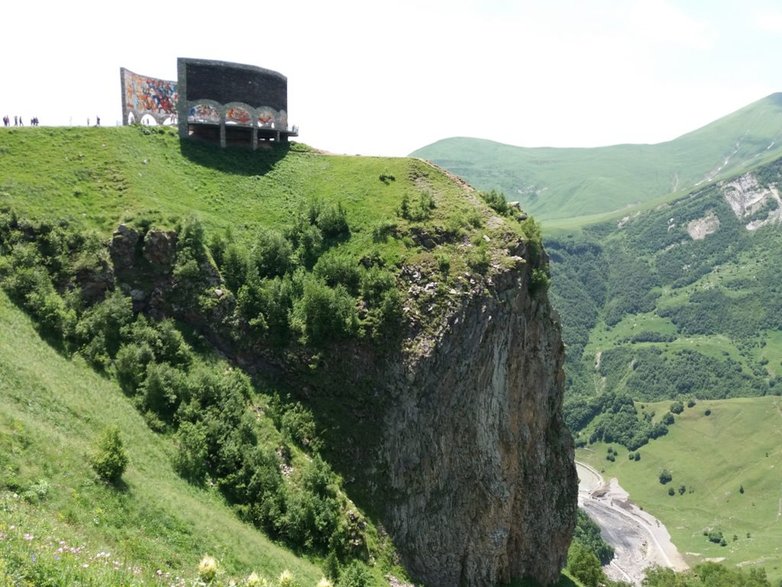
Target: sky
{"type": "Point", "coordinates": [389, 77]}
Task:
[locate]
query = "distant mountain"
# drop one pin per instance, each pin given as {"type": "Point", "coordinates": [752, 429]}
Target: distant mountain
{"type": "Point", "coordinates": [554, 183]}
{"type": "Point", "coordinates": [679, 302]}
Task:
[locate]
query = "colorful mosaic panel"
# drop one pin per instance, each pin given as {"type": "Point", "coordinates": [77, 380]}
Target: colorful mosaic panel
{"type": "Point", "coordinates": [238, 115]}
{"type": "Point", "coordinates": [204, 113]}
{"type": "Point", "coordinates": [148, 94]}
{"type": "Point", "coordinates": [265, 117]}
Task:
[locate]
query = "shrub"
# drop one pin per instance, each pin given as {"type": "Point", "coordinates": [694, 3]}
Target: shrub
{"type": "Point", "coordinates": [478, 258]}
{"type": "Point", "coordinates": [273, 254]}
{"type": "Point", "coordinates": [287, 579]}
{"type": "Point", "coordinates": [333, 223]}
{"type": "Point", "coordinates": [677, 407]}
{"type": "Point", "coordinates": [109, 459]}
{"type": "Point", "coordinates": [233, 267]}
{"type": "Point", "coordinates": [671, 491]}
{"type": "Point", "coordinates": [356, 574]}
{"type": "Point", "coordinates": [336, 268]}
{"type": "Point", "coordinates": [539, 280]}
{"type": "Point", "coordinates": [707, 412]}
{"type": "Point", "coordinates": [496, 201]}
{"type": "Point", "coordinates": [668, 419]}
{"type": "Point", "coordinates": [190, 460]}
{"type": "Point", "coordinates": [324, 314]}
{"type": "Point", "coordinates": [665, 476]}
{"type": "Point", "coordinates": [99, 331]}
{"type": "Point", "coordinates": [298, 424]}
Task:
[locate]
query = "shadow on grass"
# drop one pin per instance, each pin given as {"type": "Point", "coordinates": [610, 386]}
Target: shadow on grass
{"type": "Point", "coordinates": [235, 160]}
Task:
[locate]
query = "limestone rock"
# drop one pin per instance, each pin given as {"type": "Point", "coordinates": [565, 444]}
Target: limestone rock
{"type": "Point", "coordinates": [123, 247]}
{"type": "Point", "coordinates": [160, 249]}
{"type": "Point", "coordinates": [481, 477]}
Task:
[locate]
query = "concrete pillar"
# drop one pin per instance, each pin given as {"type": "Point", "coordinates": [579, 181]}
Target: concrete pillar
{"type": "Point", "coordinates": [255, 137]}
{"type": "Point", "coordinates": [222, 134]}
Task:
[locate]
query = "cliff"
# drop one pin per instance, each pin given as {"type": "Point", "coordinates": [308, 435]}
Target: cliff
{"type": "Point", "coordinates": [396, 327]}
{"type": "Point", "coordinates": [479, 461]}
{"type": "Point", "coordinates": [461, 448]}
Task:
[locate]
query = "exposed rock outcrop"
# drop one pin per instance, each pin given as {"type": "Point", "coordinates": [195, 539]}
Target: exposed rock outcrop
{"type": "Point", "coordinates": [470, 463]}
{"type": "Point", "coordinates": [480, 464]}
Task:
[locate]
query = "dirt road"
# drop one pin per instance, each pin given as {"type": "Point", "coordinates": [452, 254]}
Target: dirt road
{"type": "Point", "coordinates": [638, 538]}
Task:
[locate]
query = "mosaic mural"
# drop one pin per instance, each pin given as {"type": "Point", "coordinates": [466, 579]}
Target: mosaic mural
{"type": "Point", "coordinates": [238, 115]}
{"type": "Point", "coordinates": [204, 114]}
{"type": "Point", "coordinates": [146, 94]}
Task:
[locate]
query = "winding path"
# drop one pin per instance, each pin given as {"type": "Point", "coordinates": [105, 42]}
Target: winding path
{"type": "Point", "coordinates": [638, 538]}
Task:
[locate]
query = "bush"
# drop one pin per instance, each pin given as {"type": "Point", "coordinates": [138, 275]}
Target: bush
{"type": "Point", "coordinates": [273, 254]}
{"type": "Point", "coordinates": [333, 223]}
{"type": "Point", "coordinates": [324, 314]}
{"type": "Point", "coordinates": [99, 331]}
{"type": "Point", "coordinates": [665, 476]}
{"type": "Point", "coordinates": [109, 459]}
{"type": "Point", "coordinates": [496, 201]}
{"type": "Point", "coordinates": [339, 269]}
{"type": "Point", "coordinates": [677, 407]}
{"type": "Point", "coordinates": [190, 460]}
{"type": "Point", "coordinates": [356, 574]}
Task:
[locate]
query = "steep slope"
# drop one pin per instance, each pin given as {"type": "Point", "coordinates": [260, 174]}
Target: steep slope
{"type": "Point", "coordinates": [555, 183]}
{"type": "Point", "coordinates": [404, 326]}
{"type": "Point", "coordinates": [157, 527]}
{"type": "Point", "coordinates": [683, 301]}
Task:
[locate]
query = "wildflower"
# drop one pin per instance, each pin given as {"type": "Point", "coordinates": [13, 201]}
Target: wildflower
{"type": "Point", "coordinates": [324, 582]}
{"type": "Point", "coordinates": [286, 579]}
{"type": "Point", "coordinates": [207, 568]}
{"type": "Point", "coordinates": [255, 581]}
{"type": "Point", "coordinates": [28, 536]}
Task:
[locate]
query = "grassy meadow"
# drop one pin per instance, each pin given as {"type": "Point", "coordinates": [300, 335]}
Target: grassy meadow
{"type": "Point", "coordinates": [155, 525]}
{"type": "Point", "coordinates": [739, 445]}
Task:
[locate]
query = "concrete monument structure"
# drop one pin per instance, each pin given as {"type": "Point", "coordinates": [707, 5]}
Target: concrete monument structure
{"type": "Point", "coordinates": [216, 101]}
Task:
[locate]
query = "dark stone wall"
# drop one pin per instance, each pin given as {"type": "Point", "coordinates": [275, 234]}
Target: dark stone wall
{"type": "Point", "coordinates": [229, 82]}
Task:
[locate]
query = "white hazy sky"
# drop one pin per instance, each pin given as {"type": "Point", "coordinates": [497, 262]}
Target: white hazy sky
{"type": "Point", "coordinates": [385, 78]}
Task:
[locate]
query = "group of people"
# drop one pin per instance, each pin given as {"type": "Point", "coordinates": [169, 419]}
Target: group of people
{"type": "Point", "coordinates": [34, 121]}
{"type": "Point", "coordinates": [18, 121]}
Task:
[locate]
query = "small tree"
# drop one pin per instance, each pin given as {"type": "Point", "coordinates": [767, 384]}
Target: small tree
{"type": "Point", "coordinates": [109, 459]}
{"type": "Point", "coordinates": [665, 476]}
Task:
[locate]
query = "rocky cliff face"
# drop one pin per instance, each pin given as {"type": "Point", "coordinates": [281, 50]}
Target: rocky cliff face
{"type": "Point", "coordinates": [471, 464]}
{"type": "Point", "coordinates": [480, 464]}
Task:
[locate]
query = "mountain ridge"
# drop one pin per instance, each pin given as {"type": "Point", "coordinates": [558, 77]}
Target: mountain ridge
{"type": "Point", "coordinates": [559, 183]}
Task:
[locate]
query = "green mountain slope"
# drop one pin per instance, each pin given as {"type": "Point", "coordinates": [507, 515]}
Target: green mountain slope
{"type": "Point", "coordinates": [678, 302]}
{"type": "Point", "coordinates": [157, 524]}
{"type": "Point", "coordinates": [556, 184]}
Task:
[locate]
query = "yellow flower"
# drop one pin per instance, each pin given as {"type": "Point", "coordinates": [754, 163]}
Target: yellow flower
{"type": "Point", "coordinates": [207, 568]}
{"type": "Point", "coordinates": [286, 579]}
{"type": "Point", "coordinates": [255, 581]}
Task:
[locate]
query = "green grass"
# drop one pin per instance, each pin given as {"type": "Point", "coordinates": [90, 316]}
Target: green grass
{"type": "Point", "coordinates": [98, 177]}
{"type": "Point", "coordinates": [53, 410]}
{"type": "Point", "coordinates": [739, 444]}
{"type": "Point", "coordinates": [569, 187]}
